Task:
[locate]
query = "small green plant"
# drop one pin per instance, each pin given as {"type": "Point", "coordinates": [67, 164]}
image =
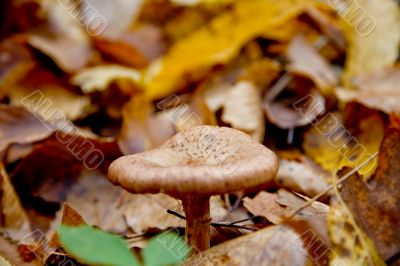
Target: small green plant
{"type": "Point", "coordinates": [95, 247]}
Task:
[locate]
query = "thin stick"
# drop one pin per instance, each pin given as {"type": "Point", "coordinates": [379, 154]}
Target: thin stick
{"type": "Point", "coordinates": [346, 176]}
{"type": "Point", "coordinates": [215, 224]}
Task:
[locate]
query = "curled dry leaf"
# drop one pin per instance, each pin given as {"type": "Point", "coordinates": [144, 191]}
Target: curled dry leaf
{"type": "Point", "coordinates": [202, 49]}
{"type": "Point", "coordinates": [105, 22]}
{"type": "Point", "coordinates": [63, 40]}
{"type": "Point", "coordinates": [243, 109]}
{"type": "Point", "coordinates": [18, 125]}
{"type": "Point", "coordinates": [264, 204]}
{"type": "Point", "coordinates": [376, 206]}
{"type": "Point", "coordinates": [373, 36]}
{"type": "Point", "coordinates": [303, 175]}
{"type": "Point", "coordinates": [51, 102]}
{"type": "Point", "coordinates": [142, 129]}
{"type": "Point", "coordinates": [10, 255]}
{"type": "Point", "coordinates": [275, 245]}
{"type": "Point", "coordinates": [305, 60]}
{"type": "Point", "coordinates": [283, 113]}
{"type": "Point", "coordinates": [14, 222]}
{"type": "Point", "coordinates": [100, 77]}
{"type": "Point", "coordinates": [378, 90]}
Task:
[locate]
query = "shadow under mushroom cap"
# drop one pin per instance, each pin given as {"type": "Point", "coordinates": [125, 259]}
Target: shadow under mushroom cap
{"type": "Point", "coordinates": [204, 160]}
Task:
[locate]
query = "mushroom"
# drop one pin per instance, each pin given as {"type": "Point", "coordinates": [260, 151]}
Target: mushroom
{"type": "Point", "coordinates": [194, 165]}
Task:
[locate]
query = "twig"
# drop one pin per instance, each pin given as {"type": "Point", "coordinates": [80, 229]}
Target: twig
{"type": "Point", "coordinates": [215, 224]}
{"type": "Point", "coordinates": [346, 176]}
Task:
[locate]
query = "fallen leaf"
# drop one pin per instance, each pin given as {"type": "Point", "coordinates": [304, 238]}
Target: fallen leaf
{"type": "Point", "coordinates": [64, 40]}
{"type": "Point", "coordinates": [231, 30]}
{"type": "Point", "coordinates": [115, 210]}
{"type": "Point", "coordinates": [103, 21]}
{"type": "Point", "coordinates": [376, 206]}
{"type": "Point", "coordinates": [264, 204]}
{"type": "Point", "coordinates": [350, 246]}
{"type": "Point", "coordinates": [330, 144]}
{"type": "Point", "coordinates": [142, 129]}
{"type": "Point", "coordinates": [18, 125]}
{"type": "Point", "coordinates": [303, 175]}
{"type": "Point", "coordinates": [275, 245]}
{"type": "Point", "coordinates": [100, 77]}
{"type": "Point", "coordinates": [290, 112]}
{"type": "Point", "coordinates": [372, 30]}
{"type": "Point", "coordinates": [243, 110]}
{"type": "Point", "coordinates": [377, 90]}
{"type": "Point", "coordinates": [11, 256]}
{"type": "Point", "coordinates": [14, 221]}
{"type": "Point", "coordinates": [305, 60]}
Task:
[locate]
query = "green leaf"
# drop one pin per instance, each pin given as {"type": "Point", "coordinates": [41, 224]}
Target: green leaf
{"type": "Point", "coordinates": [165, 249]}
{"type": "Point", "coordinates": [94, 247]}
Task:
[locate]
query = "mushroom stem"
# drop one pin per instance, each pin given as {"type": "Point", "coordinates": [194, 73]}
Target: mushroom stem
{"type": "Point", "coordinates": [197, 212]}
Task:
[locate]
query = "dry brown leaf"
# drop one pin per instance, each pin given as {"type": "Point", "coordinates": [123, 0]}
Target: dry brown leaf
{"type": "Point", "coordinates": [283, 114]}
{"type": "Point", "coordinates": [377, 90]}
{"type": "Point", "coordinates": [372, 29]}
{"type": "Point", "coordinates": [64, 40]}
{"type": "Point", "coordinates": [14, 221]}
{"type": "Point", "coordinates": [110, 19]}
{"type": "Point", "coordinates": [51, 102]}
{"type": "Point", "coordinates": [376, 206]}
{"type": "Point", "coordinates": [18, 125]}
{"type": "Point", "coordinates": [275, 245]}
{"type": "Point", "coordinates": [115, 210]}
{"type": "Point", "coordinates": [305, 60]}
{"type": "Point", "coordinates": [264, 204]}
{"type": "Point", "coordinates": [11, 256]}
{"type": "Point", "coordinates": [100, 77]}
{"type": "Point", "coordinates": [302, 175]}
{"type": "Point", "coordinates": [141, 129]}
{"type": "Point", "coordinates": [243, 110]}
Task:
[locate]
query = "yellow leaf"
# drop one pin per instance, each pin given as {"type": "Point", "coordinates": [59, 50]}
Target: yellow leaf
{"type": "Point", "coordinates": [372, 29]}
{"type": "Point", "coordinates": [333, 147]}
{"type": "Point", "coordinates": [99, 78]}
{"type": "Point", "coordinates": [218, 42]}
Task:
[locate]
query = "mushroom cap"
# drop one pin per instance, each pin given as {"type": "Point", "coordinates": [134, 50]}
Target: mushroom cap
{"type": "Point", "coordinates": [204, 160]}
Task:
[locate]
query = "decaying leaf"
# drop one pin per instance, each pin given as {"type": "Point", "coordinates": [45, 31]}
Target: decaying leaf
{"type": "Point", "coordinates": [11, 256]}
{"type": "Point", "coordinates": [14, 221]}
{"type": "Point", "coordinates": [264, 204]}
{"type": "Point", "coordinates": [275, 245]}
{"type": "Point", "coordinates": [64, 41]}
{"type": "Point", "coordinates": [377, 90]}
{"type": "Point", "coordinates": [243, 110]}
{"type": "Point", "coordinates": [302, 175]}
{"type": "Point", "coordinates": [372, 30]}
{"type": "Point", "coordinates": [333, 146]}
{"type": "Point", "coordinates": [283, 113]}
{"type": "Point", "coordinates": [18, 125]}
{"type": "Point", "coordinates": [51, 102]}
{"type": "Point", "coordinates": [100, 77]}
{"type": "Point", "coordinates": [115, 210]}
{"type": "Point", "coordinates": [350, 245]}
{"type": "Point", "coordinates": [376, 206]}
{"type": "Point", "coordinates": [203, 48]}
{"type": "Point", "coordinates": [104, 22]}
{"type": "Point", "coordinates": [305, 60]}
{"type": "Point", "coordinates": [141, 129]}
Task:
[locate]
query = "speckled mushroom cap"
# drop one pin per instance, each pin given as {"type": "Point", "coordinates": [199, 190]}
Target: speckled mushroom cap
{"type": "Point", "coordinates": [204, 160]}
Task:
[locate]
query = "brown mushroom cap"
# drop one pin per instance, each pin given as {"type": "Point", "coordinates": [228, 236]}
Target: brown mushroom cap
{"type": "Point", "coordinates": [204, 160]}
